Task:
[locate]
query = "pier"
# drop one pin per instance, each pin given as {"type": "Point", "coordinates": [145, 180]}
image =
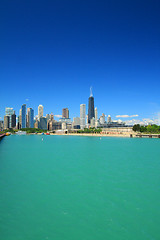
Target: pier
{"type": "Point", "coordinates": [148, 135]}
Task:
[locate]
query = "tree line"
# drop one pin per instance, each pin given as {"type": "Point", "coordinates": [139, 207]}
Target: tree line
{"type": "Point", "coordinates": [146, 129]}
{"type": "Point", "coordinates": [90, 130]}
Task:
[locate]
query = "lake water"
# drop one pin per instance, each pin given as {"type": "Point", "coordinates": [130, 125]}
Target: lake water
{"type": "Point", "coordinates": [79, 188]}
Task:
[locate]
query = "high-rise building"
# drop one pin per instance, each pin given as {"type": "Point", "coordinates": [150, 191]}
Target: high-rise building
{"type": "Point", "coordinates": [6, 122]}
{"type": "Point", "coordinates": [93, 122]}
{"type": "Point", "coordinates": [13, 120]}
{"type": "Point", "coordinates": [76, 121]}
{"type": "Point", "coordinates": [27, 118]}
{"type": "Point", "coordinates": [48, 116]}
{"type": "Point", "coordinates": [65, 113]}
{"type": "Point", "coordinates": [9, 112]}
{"type": "Point", "coordinates": [91, 113]}
{"type": "Point", "coordinates": [43, 123]}
{"type": "Point", "coordinates": [87, 118]}
{"type": "Point", "coordinates": [20, 119]}
{"type": "Point", "coordinates": [82, 116]}
{"type": "Point", "coordinates": [1, 124]}
{"type": "Point", "coordinates": [30, 118]}
{"type": "Point", "coordinates": [102, 119]}
{"type": "Point", "coordinates": [36, 123]}
{"type": "Point", "coordinates": [109, 119]}
{"type": "Point", "coordinates": [96, 114]}
{"type": "Point", "coordinates": [40, 111]}
{"type": "Point", "coordinates": [23, 117]}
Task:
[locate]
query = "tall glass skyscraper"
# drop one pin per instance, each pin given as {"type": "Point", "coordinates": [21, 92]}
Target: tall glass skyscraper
{"type": "Point", "coordinates": [30, 118]}
{"type": "Point", "coordinates": [23, 116]}
{"type": "Point", "coordinates": [91, 113]}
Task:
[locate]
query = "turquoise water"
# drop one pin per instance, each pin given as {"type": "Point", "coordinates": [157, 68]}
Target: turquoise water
{"type": "Point", "coordinates": [79, 188]}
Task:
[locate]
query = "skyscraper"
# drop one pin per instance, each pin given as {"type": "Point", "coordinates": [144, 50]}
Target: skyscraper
{"type": "Point", "coordinates": [23, 116]}
{"type": "Point", "coordinates": [102, 119]}
{"type": "Point", "coordinates": [13, 120]}
{"type": "Point", "coordinates": [30, 117]}
{"type": "Point", "coordinates": [91, 113]}
{"type": "Point", "coordinates": [6, 122]}
{"type": "Point", "coordinates": [109, 119]}
{"type": "Point", "coordinates": [96, 114]}
{"type": "Point", "coordinates": [82, 116]}
{"type": "Point", "coordinates": [27, 118]}
{"type": "Point", "coordinates": [65, 113]}
{"type": "Point", "coordinates": [43, 123]}
{"type": "Point", "coordinates": [40, 111]}
{"type": "Point", "coordinates": [20, 119]}
{"type": "Point", "coordinates": [9, 112]}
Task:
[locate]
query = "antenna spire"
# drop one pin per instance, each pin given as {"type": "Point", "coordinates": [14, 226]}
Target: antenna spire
{"type": "Point", "coordinates": [91, 94]}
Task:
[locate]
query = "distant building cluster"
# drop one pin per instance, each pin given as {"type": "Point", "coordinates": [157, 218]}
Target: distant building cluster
{"type": "Point", "coordinates": [27, 119]}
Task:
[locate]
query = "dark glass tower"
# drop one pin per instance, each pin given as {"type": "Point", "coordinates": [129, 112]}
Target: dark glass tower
{"type": "Point", "coordinates": [91, 113]}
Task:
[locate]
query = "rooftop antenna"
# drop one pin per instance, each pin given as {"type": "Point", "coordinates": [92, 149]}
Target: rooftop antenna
{"type": "Point", "coordinates": [91, 94]}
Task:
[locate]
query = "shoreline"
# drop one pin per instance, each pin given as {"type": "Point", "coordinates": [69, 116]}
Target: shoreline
{"type": "Point", "coordinates": [121, 135]}
{"type": "Point", "coordinates": [85, 135]}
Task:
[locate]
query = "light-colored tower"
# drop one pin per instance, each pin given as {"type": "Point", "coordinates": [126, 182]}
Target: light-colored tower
{"type": "Point", "coordinates": [96, 114]}
{"type": "Point", "coordinates": [93, 122]}
{"type": "Point", "coordinates": [102, 119]}
{"type": "Point", "coordinates": [109, 119]}
{"type": "Point", "coordinates": [82, 116]}
{"type": "Point", "coordinates": [40, 111]}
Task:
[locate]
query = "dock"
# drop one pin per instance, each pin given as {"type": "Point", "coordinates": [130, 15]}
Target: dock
{"type": "Point", "coordinates": [148, 135]}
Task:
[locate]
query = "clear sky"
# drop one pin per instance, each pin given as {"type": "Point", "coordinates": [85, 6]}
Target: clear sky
{"type": "Point", "coordinates": [51, 52]}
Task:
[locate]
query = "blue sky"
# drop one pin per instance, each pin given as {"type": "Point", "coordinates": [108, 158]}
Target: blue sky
{"type": "Point", "coordinates": [51, 52]}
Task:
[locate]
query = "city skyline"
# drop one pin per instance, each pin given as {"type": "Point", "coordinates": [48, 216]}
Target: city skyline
{"type": "Point", "coordinates": [65, 111]}
{"type": "Point", "coordinates": [53, 58]}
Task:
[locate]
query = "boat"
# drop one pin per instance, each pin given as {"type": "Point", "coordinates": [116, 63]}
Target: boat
{"type": "Point", "coordinates": [47, 133]}
{"type": "Point", "coordinates": [8, 133]}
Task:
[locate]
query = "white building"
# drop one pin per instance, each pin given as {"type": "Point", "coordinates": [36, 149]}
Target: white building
{"type": "Point", "coordinates": [76, 121]}
{"type": "Point", "coordinates": [82, 116]}
{"type": "Point", "coordinates": [102, 119]}
{"type": "Point", "coordinates": [93, 122]}
{"type": "Point", "coordinates": [40, 111]}
{"type": "Point", "coordinates": [109, 119]}
{"type": "Point", "coordinates": [96, 114]}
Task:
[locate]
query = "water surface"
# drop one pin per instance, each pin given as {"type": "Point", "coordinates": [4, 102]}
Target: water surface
{"type": "Point", "coordinates": [79, 188]}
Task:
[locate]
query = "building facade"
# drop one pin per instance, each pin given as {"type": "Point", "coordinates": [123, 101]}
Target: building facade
{"type": "Point", "coordinates": [30, 118]}
{"type": "Point", "coordinates": [65, 113]}
{"type": "Point", "coordinates": [82, 116]}
{"type": "Point", "coordinates": [91, 112]}
{"type": "Point", "coordinates": [9, 112]}
{"type": "Point", "coordinates": [109, 120]}
{"type": "Point", "coordinates": [96, 114]}
{"type": "Point", "coordinates": [6, 122]}
{"type": "Point", "coordinates": [13, 120]}
{"type": "Point", "coordinates": [40, 111]}
{"type": "Point", "coordinates": [102, 119]}
{"type": "Point", "coordinates": [23, 116]}
{"type": "Point", "coordinates": [43, 123]}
